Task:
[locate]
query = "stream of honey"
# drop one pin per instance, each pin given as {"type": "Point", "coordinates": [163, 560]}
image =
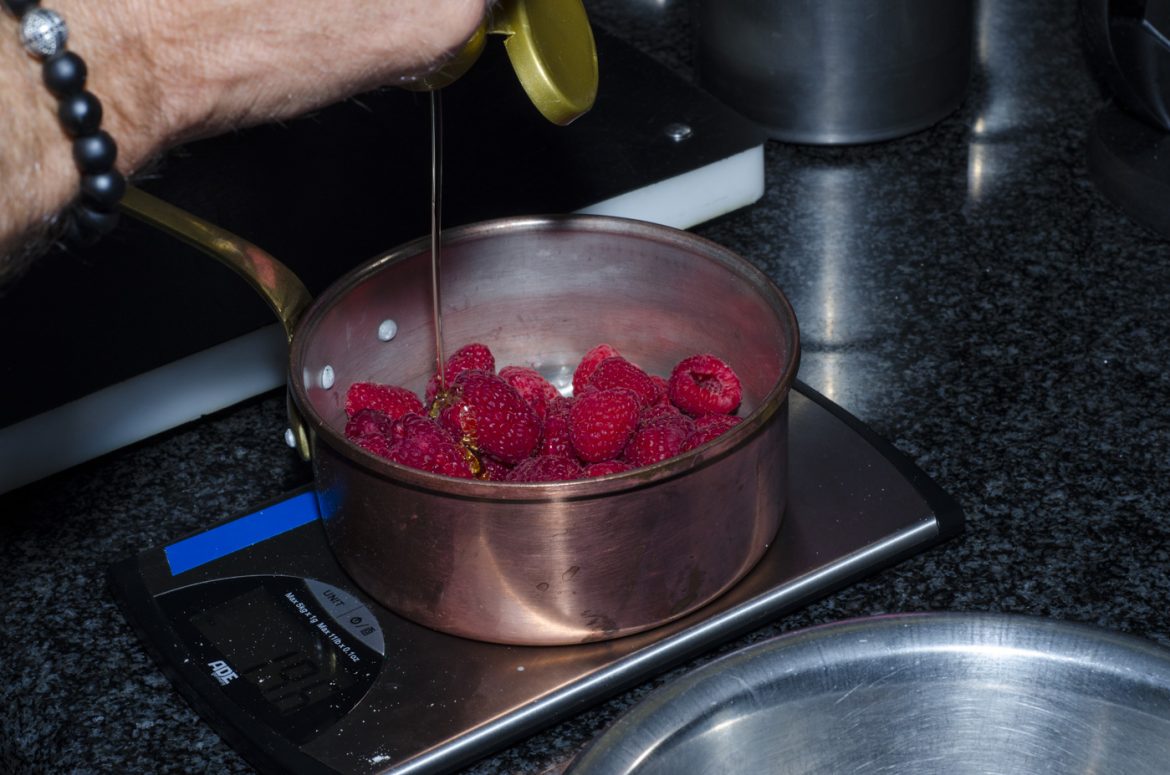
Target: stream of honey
{"type": "Point", "coordinates": [436, 229]}
{"type": "Point", "coordinates": [469, 448]}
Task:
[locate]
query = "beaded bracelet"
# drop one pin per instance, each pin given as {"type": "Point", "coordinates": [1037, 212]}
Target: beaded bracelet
{"type": "Point", "coordinates": [44, 34]}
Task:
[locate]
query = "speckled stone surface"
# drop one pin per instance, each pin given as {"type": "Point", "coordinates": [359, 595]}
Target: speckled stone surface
{"type": "Point", "coordinates": [965, 291]}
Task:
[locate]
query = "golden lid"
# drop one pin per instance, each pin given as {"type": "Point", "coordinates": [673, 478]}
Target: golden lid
{"type": "Point", "coordinates": [550, 44]}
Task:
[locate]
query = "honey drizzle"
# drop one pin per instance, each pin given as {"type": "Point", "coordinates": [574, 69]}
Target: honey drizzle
{"type": "Point", "coordinates": [471, 451]}
{"type": "Point", "coordinates": [436, 231]}
{"type": "Point", "coordinates": [443, 397]}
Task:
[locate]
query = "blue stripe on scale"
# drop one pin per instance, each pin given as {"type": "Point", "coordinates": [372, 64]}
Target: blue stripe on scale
{"type": "Point", "coordinates": [241, 533]}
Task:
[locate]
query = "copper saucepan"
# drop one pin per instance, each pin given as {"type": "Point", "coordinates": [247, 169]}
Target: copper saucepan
{"type": "Point", "coordinates": [539, 563]}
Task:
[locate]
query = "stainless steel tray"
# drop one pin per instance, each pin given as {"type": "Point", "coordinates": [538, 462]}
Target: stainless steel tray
{"type": "Point", "coordinates": [912, 693]}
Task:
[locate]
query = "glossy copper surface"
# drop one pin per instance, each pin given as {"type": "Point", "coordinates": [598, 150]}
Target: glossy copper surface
{"type": "Point", "coordinates": [561, 562]}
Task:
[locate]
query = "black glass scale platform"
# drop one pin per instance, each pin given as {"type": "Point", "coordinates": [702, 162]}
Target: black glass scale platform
{"type": "Point", "coordinates": [259, 628]}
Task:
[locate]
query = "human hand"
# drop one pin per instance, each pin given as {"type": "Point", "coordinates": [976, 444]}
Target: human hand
{"type": "Point", "coordinates": [221, 64]}
{"type": "Point", "coordinates": [170, 71]}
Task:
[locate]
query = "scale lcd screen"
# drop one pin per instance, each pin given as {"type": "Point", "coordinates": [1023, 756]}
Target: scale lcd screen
{"type": "Point", "coordinates": [271, 646]}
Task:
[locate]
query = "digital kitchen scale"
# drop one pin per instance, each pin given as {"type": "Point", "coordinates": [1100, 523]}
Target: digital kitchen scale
{"type": "Point", "coordinates": [259, 628]}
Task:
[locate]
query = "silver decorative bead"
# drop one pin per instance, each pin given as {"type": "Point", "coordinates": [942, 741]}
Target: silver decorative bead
{"type": "Point", "coordinates": [43, 32]}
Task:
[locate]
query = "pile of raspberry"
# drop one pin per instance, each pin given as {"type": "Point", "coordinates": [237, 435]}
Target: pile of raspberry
{"type": "Point", "coordinates": [514, 426]}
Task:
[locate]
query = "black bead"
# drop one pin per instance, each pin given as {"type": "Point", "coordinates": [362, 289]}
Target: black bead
{"type": "Point", "coordinates": [103, 190]}
{"type": "Point", "coordinates": [18, 7]}
{"type": "Point", "coordinates": [95, 153]}
{"type": "Point", "coordinates": [100, 221]}
{"type": "Point", "coordinates": [84, 226]}
{"type": "Point", "coordinates": [74, 235]}
{"type": "Point", "coordinates": [64, 73]}
{"type": "Point", "coordinates": [80, 114]}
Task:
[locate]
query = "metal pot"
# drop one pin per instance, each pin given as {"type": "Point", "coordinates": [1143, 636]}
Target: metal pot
{"type": "Point", "coordinates": [827, 72]}
{"type": "Point", "coordinates": [907, 694]}
{"type": "Point", "coordinates": [547, 563]}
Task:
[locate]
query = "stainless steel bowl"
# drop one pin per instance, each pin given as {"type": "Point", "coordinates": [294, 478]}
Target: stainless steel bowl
{"type": "Point", "coordinates": [912, 693]}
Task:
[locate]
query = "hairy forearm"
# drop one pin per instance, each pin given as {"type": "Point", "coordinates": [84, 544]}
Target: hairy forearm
{"type": "Point", "coordinates": [37, 175]}
{"type": "Point", "coordinates": [168, 71]}
{"type": "Point", "coordinates": [36, 163]}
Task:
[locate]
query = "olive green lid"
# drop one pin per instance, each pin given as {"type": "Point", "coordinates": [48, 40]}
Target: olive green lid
{"type": "Point", "coordinates": [550, 45]}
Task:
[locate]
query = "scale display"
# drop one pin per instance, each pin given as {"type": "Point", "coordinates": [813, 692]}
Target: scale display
{"type": "Point", "coordinates": [274, 651]}
{"type": "Point", "coordinates": [261, 631]}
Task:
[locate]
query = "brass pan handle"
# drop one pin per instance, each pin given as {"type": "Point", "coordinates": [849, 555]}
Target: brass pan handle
{"type": "Point", "coordinates": [284, 292]}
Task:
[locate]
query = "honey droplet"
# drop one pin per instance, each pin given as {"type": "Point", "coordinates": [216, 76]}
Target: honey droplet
{"type": "Point", "coordinates": [443, 399]}
{"type": "Point", "coordinates": [478, 469]}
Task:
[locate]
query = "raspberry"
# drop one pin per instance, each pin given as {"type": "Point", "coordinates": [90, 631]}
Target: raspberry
{"type": "Point", "coordinates": [421, 429]}
{"type": "Point", "coordinates": [589, 362]}
{"type": "Point", "coordinates": [471, 356]}
{"type": "Point", "coordinates": [708, 427]}
{"type": "Point", "coordinates": [654, 443]}
{"type": "Point", "coordinates": [420, 443]}
{"type": "Point", "coordinates": [663, 390]}
{"type": "Point", "coordinates": [546, 468]}
{"type": "Point", "coordinates": [494, 470]}
{"type": "Point", "coordinates": [666, 414]}
{"type": "Point", "coordinates": [616, 371]}
{"type": "Point", "coordinates": [515, 426]}
{"type": "Point", "coordinates": [703, 384]}
{"type": "Point", "coordinates": [554, 437]}
{"type": "Point", "coordinates": [585, 390]}
{"type": "Point", "coordinates": [605, 468]}
{"type": "Point", "coordinates": [560, 406]}
{"type": "Point", "coordinates": [468, 357]}
{"type": "Point", "coordinates": [602, 422]}
{"type": "Point", "coordinates": [370, 422]}
{"type": "Point", "coordinates": [531, 384]}
{"type": "Point", "coordinates": [491, 416]}
{"type": "Point", "coordinates": [449, 459]}
{"type": "Point", "coordinates": [391, 400]}
{"type": "Point", "coordinates": [379, 445]}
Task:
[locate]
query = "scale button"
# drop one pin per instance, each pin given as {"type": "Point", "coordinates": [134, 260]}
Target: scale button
{"type": "Point", "coordinates": [336, 602]}
{"type": "Point", "coordinates": [361, 623]}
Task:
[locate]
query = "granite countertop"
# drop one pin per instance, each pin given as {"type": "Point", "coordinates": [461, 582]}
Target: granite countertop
{"type": "Point", "coordinates": [965, 291]}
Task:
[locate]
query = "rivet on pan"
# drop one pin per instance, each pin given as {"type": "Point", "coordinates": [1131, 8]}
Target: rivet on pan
{"type": "Point", "coordinates": [387, 330]}
{"type": "Point", "coordinates": [678, 132]}
{"type": "Point", "coordinates": [290, 438]}
{"type": "Point", "coordinates": [327, 377]}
